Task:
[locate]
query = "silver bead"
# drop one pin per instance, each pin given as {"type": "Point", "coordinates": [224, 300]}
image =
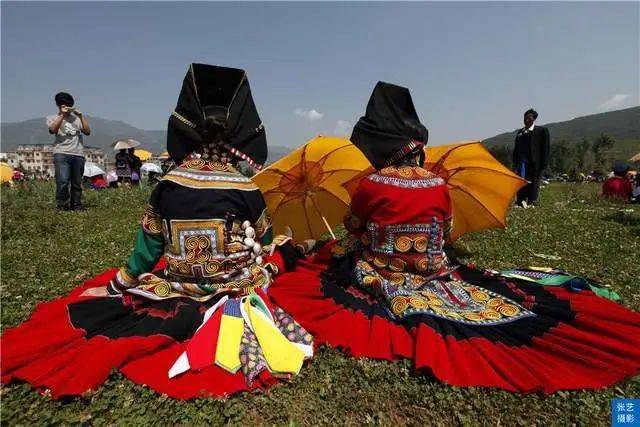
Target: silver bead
{"type": "Point", "coordinates": [257, 248]}
{"type": "Point", "coordinates": [259, 260]}
{"type": "Point", "coordinates": [249, 242]}
{"type": "Point", "coordinates": [246, 225]}
{"type": "Point", "coordinates": [250, 232]}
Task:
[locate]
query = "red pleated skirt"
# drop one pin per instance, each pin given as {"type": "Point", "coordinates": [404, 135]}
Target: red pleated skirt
{"type": "Point", "coordinates": [54, 351]}
{"type": "Point", "coordinates": [575, 341]}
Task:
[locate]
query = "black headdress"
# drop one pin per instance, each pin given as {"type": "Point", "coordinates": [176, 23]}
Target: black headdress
{"type": "Point", "coordinates": [210, 91]}
{"type": "Point", "coordinates": [390, 128]}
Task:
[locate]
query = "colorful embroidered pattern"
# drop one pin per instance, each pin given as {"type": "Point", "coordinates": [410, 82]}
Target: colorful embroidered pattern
{"type": "Point", "coordinates": [406, 177]}
{"type": "Point", "coordinates": [251, 356]}
{"type": "Point", "coordinates": [151, 221]}
{"type": "Point", "coordinates": [198, 173]}
{"type": "Point", "coordinates": [198, 251]}
{"type": "Point", "coordinates": [445, 297]}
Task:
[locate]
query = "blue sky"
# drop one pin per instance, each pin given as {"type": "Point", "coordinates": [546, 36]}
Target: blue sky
{"type": "Point", "coordinates": [472, 68]}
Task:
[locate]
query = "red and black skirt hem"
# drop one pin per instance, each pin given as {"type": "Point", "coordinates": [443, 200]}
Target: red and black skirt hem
{"type": "Point", "coordinates": [69, 346]}
{"type": "Point", "coordinates": [574, 341]}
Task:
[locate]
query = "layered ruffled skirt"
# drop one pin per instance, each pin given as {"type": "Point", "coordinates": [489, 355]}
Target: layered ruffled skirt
{"type": "Point", "coordinates": [567, 340]}
{"type": "Point", "coordinates": [70, 345]}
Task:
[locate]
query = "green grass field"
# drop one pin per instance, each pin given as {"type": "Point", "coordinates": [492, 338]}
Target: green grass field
{"type": "Point", "coordinates": [46, 253]}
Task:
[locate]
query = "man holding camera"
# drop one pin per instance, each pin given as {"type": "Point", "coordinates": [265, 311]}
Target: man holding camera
{"type": "Point", "coordinates": [68, 151]}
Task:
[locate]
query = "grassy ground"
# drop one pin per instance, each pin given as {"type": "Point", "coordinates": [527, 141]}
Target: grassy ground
{"type": "Point", "coordinates": [45, 254]}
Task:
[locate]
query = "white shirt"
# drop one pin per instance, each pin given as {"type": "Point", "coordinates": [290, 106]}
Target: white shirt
{"type": "Point", "coordinates": [68, 140]}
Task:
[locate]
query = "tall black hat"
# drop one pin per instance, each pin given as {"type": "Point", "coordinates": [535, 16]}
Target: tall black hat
{"type": "Point", "coordinates": [390, 128]}
{"type": "Point", "coordinates": [207, 91]}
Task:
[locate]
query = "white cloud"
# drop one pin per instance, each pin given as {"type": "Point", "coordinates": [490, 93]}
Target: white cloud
{"type": "Point", "coordinates": [311, 115]}
{"type": "Point", "coordinates": [616, 101]}
{"type": "Point", "coordinates": [343, 127]}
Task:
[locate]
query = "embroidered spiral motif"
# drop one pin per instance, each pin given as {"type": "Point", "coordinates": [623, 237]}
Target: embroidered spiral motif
{"type": "Point", "coordinates": [372, 281]}
{"type": "Point", "coordinates": [508, 310]}
{"type": "Point", "coordinates": [452, 314]}
{"type": "Point", "coordinates": [420, 244]}
{"type": "Point", "coordinates": [211, 267]}
{"type": "Point", "coordinates": [495, 302]}
{"type": "Point", "coordinates": [474, 317]}
{"type": "Point", "coordinates": [151, 221]}
{"type": "Point", "coordinates": [399, 305]}
{"type": "Point", "coordinates": [479, 296]}
{"type": "Point", "coordinates": [380, 261]}
{"type": "Point", "coordinates": [403, 244]}
{"type": "Point", "coordinates": [418, 303]}
{"type": "Point", "coordinates": [422, 264]}
{"type": "Point", "coordinates": [194, 163]}
{"type": "Point", "coordinates": [162, 289]}
{"type": "Point", "coordinates": [405, 172]}
{"type": "Point", "coordinates": [396, 278]}
{"type": "Point", "coordinates": [397, 264]}
{"type": "Point", "coordinates": [389, 170]}
{"type": "Point", "coordinates": [423, 173]}
{"type": "Point", "coordinates": [435, 302]}
{"type": "Point", "coordinates": [490, 314]}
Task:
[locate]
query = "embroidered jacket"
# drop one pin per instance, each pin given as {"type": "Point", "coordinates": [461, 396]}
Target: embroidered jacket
{"type": "Point", "coordinates": [210, 225]}
{"type": "Point", "coordinates": [399, 220]}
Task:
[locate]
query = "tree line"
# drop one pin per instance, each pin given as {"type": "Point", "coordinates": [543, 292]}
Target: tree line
{"type": "Point", "coordinates": [570, 157]}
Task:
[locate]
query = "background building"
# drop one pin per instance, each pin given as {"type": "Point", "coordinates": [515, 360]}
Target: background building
{"type": "Point", "coordinates": [39, 158]}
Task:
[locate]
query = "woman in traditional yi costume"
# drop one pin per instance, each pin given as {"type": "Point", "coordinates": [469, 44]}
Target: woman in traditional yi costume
{"type": "Point", "coordinates": [200, 324]}
{"type": "Point", "coordinates": [388, 290]}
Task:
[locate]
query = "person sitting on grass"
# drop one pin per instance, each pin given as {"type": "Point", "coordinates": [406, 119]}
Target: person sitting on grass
{"type": "Point", "coordinates": [618, 186]}
{"type": "Point", "coordinates": [189, 314]}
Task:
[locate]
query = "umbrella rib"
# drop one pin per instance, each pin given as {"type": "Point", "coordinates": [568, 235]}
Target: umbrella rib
{"type": "Point", "coordinates": [275, 191]}
{"type": "Point", "coordinates": [477, 200]}
{"type": "Point", "coordinates": [448, 153]}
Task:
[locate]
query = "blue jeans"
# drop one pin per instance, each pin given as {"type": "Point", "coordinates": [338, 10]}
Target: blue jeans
{"type": "Point", "coordinates": [69, 170]}
{"type": "Point", "coordinates": [531, 190]}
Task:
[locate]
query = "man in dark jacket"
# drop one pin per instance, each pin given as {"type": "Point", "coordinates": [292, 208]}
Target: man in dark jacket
{"type": "Point", "coordinates": [530, 157]}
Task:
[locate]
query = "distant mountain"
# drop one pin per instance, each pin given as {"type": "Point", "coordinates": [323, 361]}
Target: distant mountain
{"type": "Point", "coordinates": [103, 134]}
{"type": "Point", "coordinates": [622, 125]}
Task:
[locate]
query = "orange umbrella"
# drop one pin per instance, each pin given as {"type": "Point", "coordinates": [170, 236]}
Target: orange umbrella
{"type": "Point", "coordinates": [310, 189]}
{"type": "Point", "coordinates": [481, 187]}
{"type": "Point", "coordinates": [143, 154]}
{"type": "Point", "coordinates": [6, 173]}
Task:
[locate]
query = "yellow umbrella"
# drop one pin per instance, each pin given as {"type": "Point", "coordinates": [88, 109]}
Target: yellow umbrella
{"type": "Point", "coordinates": [143, 154]}
{"type": "Point", "coordinates": [6, 173]}
{"type": "Point", "coordinates": [635, 158]}
{"type": "Point", "coordinates": [310, 189]}
{"type": "Point", "coordinates": [481, 187]}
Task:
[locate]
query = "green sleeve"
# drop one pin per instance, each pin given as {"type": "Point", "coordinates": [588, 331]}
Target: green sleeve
{"type": "Point", "coordinates": [267, 238]}
{"type": "Point", "coordinates": [146, 254]}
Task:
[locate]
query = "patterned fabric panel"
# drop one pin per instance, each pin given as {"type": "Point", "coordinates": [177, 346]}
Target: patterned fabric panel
{"type": "Point", "coordinates": [406, 247]}
{"type": "Point", "coordinates": [406, 177]}
{"type": "Point", "coordinates": [151, 221]}
{"type": "Point", "coordinates": [198, 173]}
{"type": "Point", "coordinates": [442, 296]}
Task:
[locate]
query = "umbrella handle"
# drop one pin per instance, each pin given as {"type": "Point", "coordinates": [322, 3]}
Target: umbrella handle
{"type": "Point", "coordinates": [328, 227]}
{"type": "Point", "coordinates": [326, 224]}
